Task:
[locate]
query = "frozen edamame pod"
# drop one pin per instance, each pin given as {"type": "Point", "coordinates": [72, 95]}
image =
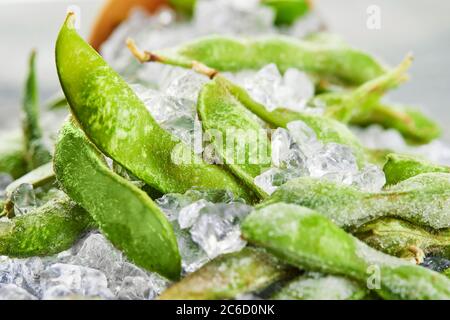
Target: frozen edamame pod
{"type": "Point", "coordinates": [183, 6]}
{"type": "Point", "coordinates": [229, 276]}
{"type": "Point", "coordinates": [309, 240]}
{"type": "Point", "coordinates": [401, 167]}
{"type": "Point", "coordinates": [119, 124]}
{"type": "Point", "coordinates": [224, 53]}
{"type": "Point", "coordinates": [38, 177]}
{"type": "Point", "coordinates": [327, 129]}
{"type": "Point", "coordinates": [47, 230]}
{"type": "Point", "coordinates": [240, 140]}
{"type": "Point", "coordinates": [403, 239]}
{"type": "Point", "coordinates": [422, 200]}
{"type": "Point", "coordinates": [124, 213]}
{"type": "Point", "coordinates": [12, 155]}
{"type": "Point", "coordinates": [288, 11]}
{"type": "Point", "coordinates": [412, 124]}
{"type": "Point", "coordinates": [345, 105]}
{"type": "Point", "coordinates": [316, 286]}
{"type": "Point", "coordinates": [36, 153]}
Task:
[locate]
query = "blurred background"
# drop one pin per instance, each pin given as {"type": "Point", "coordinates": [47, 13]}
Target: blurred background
{"type": "Point", "coordinates": [417, 26]}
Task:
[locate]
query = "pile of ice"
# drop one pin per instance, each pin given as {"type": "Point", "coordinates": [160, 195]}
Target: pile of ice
{"type": "Point", "coordinates": [92, 269]}
{"type": "Point", "coordinates": [296, 152]}
{"type": "Point", "coordinates": [206, 224]}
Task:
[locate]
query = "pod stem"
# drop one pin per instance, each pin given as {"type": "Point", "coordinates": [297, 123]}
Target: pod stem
{"type": "Point", "coordinates": [147, 56]}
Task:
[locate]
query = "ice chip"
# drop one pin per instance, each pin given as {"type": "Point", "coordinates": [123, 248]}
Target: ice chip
{"type": "Point", "coordinates": [335, 162]}
{"type": "Point", "coordinates": [98, 253]}
{"type": "Point", "coordinates": [304, 136]}
{"type": "Point", "coordinates": [187, 86]}
{"type": "Point", "coordinates": [24, 199]}
{"type": "Point", "coordinates": [370, 179]}
{"type": "Point", "coordinates": [189, 214]}
{"type": "Point", "coordinates": [295, 90]}
{"type": "Point", "coordinates": [263, 85]}
{"type": "Point", "coordinates": [13, 292]}
{"type": "Point", "coordinates": [217, 229]}
{"type": "Point", "coordinates": [74, 280]}
{"type": "Point", "coordinates": [134, 288]}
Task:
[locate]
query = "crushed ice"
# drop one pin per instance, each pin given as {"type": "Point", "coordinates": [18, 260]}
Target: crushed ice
{"type": "Point", "coordinates": [296, 152]}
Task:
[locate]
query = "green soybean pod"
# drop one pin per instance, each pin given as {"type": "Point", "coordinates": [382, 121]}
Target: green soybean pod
{"type": "Point", "coordinates": [421, 200]}
{"type": "Point", "coordinates": [119, 124]}
{"type": "Point", "coordinates": [124, 213]}
{"type": "Point", "coordinates": [400, 167]}
{"type": "Point", "coordinates": [345, 105]}
{"type": "Point", "coordinates": [309, 240]}
{"type": "Point", "coordinates": [411, 123]}
{"type": "Point", "coordinates": [228, 276]}
{"type": "Point", "coordinates": [12, 155]}
{"type": "Point", "coordinates": [288, 11]}
{"type": "Point", "coordinates": [183, 6]}
{"type": "Point", "coordinates": [403, 239]}
{"type": "Point", "coordinates": [46, 230]}
{"type": "Point", "coordinates": [36, 153]}
{"type": "Point", "coordinates": [333, 62]}
{"type": "Point", "coordinates": [239, 138]}
{"type": "Point", "coordinates": [317, 286]}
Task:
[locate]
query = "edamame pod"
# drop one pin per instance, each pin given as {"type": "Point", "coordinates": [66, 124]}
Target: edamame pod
{"type": "Point", "coordinates": [309, 240]}
{"type": "Point", "coordinates": [124, 213]}
{"type": "Point", "coordinates": [47, 230]}
{"type": "Point", "coordinates": [413, 125]}
{"type": "Point", "coordinates": [229, 276]}
{"type": "Point", "coordinates": [345, 105]}
{"type": "Point", "coordinates": [422, 200]}
{"type": "Point", "coordinates": [119, 124]}
{"type": "Point", "coordinates": [403, 239]}
{"type": "Point", "coordinates": [316, 286]}
{"type": "Point", "coordinates": [12, 156]}
{"type": "Point", "coordinates": [288, 11]}
{"type": "Point", "coordinates": [238, 137]}
{"type": "Point", "coordinates": [36, 153]}
{"type": "Point", "coordinates": [401, 167]}
{"type": "Point", "coordinates": [223, 53]}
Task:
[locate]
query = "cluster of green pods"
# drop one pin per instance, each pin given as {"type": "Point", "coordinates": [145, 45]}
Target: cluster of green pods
{"type": "Point", "coordinates": [310, 234]}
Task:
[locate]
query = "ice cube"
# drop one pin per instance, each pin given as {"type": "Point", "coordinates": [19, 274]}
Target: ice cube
{"type": "Point", "coordinates": [281, 144]}
{"type": "Point", "coordinates": [217, 229]}
{"type": "Point", "coordinates": [335, 162]}
{"type": "Point", "coordinates": [13, 292]}
{"type": "Point", "coordinates": [60, 280]}
{"type": "Point", "coordinates": [24, 199]}
{"type": "Point", "coordinates": [98, 253]}
{"type": "Point", "coordinates": [295, 90]}
{"type": "Point", "coordinates": [263, 85]}
{"type": "Point", "coordinates": [370, 179]}
{"type": "Point", "coordinates": [187, 86]}
{"type": "Point", "coordinates": [305, 137]}
{"type": "Point", "coordinates": [189, 214]}
{"type": "Point", "coordinates": [269, 180]}
{"type": "Point", "coordinates": [134, 288]}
